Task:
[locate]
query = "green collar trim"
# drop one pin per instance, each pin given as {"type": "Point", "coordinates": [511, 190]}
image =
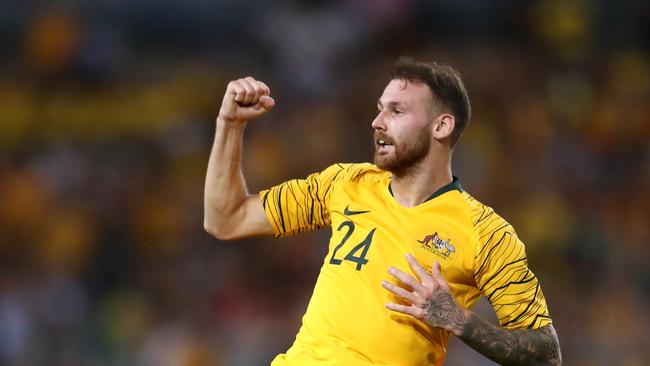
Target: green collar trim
{"type": "Point", "coordinates": [454, 185]}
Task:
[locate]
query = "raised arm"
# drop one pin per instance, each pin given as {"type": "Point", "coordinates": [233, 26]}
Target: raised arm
{"type": "Point", "coordinates": [230, 212]}
{"type": "Point", "coordinates": [431, 302]}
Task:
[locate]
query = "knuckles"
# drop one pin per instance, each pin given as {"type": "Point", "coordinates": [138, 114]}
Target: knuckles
{"type": "Point", "coordinates": [258, 87]}
{"type": "Point", "coordinates": [247, 91]}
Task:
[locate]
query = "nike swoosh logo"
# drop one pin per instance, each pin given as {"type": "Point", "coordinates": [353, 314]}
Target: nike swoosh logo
{"type": "Point", "coordinates": [347, 211]}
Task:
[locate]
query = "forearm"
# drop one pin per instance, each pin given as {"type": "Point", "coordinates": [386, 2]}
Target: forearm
{"type": "Point", "coordinates": [431, 301]}
{"type": "Point", "coordinates": [512, 347]}
{"type": "Point", "coordinates": [225, 187]}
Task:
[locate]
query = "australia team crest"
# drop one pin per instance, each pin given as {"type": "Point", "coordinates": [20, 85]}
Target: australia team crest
{"type": "Point", "coordinates": [438, 245]}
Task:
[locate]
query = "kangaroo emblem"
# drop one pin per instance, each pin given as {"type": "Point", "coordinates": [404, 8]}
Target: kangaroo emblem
{"type": "Point", "coordinates": [428, 239]}
{"type": "Point", "coordinates": [434, 243]}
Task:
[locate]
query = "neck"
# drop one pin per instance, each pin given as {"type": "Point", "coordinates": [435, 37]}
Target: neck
{"type": "Point", "coordinates": [414, 186]}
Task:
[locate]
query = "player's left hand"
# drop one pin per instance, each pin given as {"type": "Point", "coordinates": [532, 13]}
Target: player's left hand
{"type": "Point", "coordinates": [430, 298]}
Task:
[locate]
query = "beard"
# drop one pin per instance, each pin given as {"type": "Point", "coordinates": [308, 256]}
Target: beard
{"type": "Point", "coordinates": [404, 156]}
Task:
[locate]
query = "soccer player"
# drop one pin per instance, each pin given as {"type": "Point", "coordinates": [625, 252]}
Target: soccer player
{"type": "Point", "coordinates": [410, 252]}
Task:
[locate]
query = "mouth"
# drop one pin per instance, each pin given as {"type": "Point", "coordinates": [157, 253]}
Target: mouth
{"type": "Point", "coordinates": [383, 144]}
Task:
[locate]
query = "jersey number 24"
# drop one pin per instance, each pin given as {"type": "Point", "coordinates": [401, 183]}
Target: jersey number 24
{"type": "Point", "coordinates": [360, 260]}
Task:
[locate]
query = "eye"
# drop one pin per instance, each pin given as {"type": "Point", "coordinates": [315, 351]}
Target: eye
{"type": "Point", "coordinates": [397, 112]}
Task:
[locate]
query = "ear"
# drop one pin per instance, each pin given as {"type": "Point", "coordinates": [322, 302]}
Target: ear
{"type": "Point", "coordinates": [443, 126]}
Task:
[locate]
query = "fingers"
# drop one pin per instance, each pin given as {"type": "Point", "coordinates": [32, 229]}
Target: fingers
{"type": "Point", "coordinates": [267, 102]}
{"type": "Point", "coordinates": [406, 279]}
{"type": "Point", "coordinates": [425, 277]}
{"type": "Point", "coordinates": [248, 91]}
{"type": "Point", "coordinates": [438, 277]}
{"type": "Point", "coordinates": [401, 292]}
{"type": "Point", "coordinates": [404, 309]}
{"type": "Point", "coordinates": [245, 99]}
{"type": "Point", "coordinates": [250, 95]}
{"type": "Point", "coordinates": [265, 90]}
{"type": "Point", "coordinates": [435, 270]}
{"type": "Point", "coordinates": [235, 88]}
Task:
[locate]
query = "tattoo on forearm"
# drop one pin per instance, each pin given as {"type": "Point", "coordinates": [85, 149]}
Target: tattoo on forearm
{"type": "Point", "coordinates": [442, 311]}
{"type": "Point", "coordinates": [512, 347]}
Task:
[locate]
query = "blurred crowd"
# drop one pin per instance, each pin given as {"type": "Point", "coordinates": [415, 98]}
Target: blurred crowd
{"type": "Point", "coordinates": [107, 117]}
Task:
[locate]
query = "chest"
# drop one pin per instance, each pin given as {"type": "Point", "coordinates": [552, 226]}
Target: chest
{"type": "Point", "coordinates": [370, 233]}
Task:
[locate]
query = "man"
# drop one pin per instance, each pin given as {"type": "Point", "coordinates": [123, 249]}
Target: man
{"type": "Point", "coordinates": [407, 215]}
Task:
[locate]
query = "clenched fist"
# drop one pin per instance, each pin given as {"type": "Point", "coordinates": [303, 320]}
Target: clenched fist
{"type": "Point", "coordinates": [245, 99]}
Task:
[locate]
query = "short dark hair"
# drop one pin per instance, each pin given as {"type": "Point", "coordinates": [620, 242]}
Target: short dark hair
{"type": "Point", "coordinates": [446, 86]}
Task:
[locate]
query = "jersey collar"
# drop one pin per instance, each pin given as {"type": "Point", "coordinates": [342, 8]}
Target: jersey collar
{"type": "Point", "coordinates": [454, 185]}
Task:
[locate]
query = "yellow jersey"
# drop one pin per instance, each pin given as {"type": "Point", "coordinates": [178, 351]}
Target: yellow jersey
{"type": "Point", "coordinates": [346, 322]}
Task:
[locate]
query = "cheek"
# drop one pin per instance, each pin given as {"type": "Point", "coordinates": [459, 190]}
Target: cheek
{"type": "Point", "coordinates": [413, 139]}
{"type": "Point", "coordinates": [411, 132]}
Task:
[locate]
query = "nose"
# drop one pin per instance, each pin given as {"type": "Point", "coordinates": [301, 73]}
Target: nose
{"type": "Point", "coordinates": [378, 122]}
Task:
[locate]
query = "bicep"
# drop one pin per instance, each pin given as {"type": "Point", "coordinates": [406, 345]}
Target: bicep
{"type": "Point", "coordinates": [251, 220]}
{"type": "Point", "coordinates": [289, 208]}
{"type": "Point", "coordinates": [506, 281]}
{"type": "Point", "coordinates": [300, 205]}
{"type": "Point", "coordinates": [292, 207]}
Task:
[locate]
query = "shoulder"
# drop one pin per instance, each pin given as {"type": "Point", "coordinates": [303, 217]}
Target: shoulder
{"type": "Point", "coordinates": [482, 215]}
{"type": "Point", "coordinates": [355, 173]}
{"type": "Point", "coordinates": [486, 221]}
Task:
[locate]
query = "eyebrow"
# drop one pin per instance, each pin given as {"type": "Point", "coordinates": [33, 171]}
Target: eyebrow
{"type": "Point", "coordinates": [391, 104]}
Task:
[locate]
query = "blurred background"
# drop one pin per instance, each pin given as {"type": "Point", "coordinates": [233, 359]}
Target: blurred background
{"type": "Point", "coordinates": [107, 115]}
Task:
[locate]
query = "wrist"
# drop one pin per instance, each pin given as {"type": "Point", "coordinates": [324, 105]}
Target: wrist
{"type": "Point", "coordinates": [459, 327]}
{"type": "Point", "coordinates": [230, 123]}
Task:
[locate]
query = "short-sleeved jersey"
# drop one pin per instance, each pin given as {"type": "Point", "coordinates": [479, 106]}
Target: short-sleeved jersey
{"type": "Point", "coordinates": [346, 322]}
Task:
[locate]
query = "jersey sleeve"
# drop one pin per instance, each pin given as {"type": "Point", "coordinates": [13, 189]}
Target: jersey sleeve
{"type": "Point", "coordinates": [301, 205]}
{"type": "Point", "coordinates": [502, 275]}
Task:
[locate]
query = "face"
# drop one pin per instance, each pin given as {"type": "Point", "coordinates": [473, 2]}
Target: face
{"type": "Point", "coordinates": [402, 138]}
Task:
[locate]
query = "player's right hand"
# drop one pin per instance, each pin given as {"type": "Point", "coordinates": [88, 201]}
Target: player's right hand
{"type": "Point", "coordinates": [245, 99]}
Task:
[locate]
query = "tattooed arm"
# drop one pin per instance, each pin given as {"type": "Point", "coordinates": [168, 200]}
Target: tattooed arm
{"type": "Point", "coordinates": [512, 347]}
{"type": "Point", "coordinates": [431, 302]}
